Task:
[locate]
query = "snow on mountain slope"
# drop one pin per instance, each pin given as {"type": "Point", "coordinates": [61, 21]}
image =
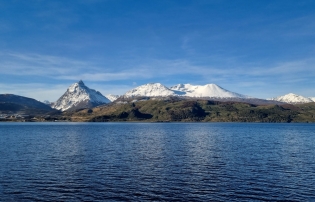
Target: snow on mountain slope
{"type": "Point", "coordinates": [208, 90]}
{"type": "Point", "coordinates": [312, 98]}
{"type": "Point", "coordinates": [292, 99]}
{"type": "Point", "coordinates": [46, 102]}
{"type": "Point", "coordinates": [78, 95]}
{"type": "Point", "coordinates": [112, 97]}
{"type": "Point", "coordinates": [151, 90]}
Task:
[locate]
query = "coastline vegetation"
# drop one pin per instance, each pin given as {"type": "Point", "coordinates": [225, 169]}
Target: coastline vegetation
{"type": "Point", "coordinates": [175, 110]}
{"type": "Point", "coordinates": [196, 111]}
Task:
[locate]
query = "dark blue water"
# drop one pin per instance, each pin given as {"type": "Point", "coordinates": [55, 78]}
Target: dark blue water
{"type": "Point", "coordinates": [158, 161]}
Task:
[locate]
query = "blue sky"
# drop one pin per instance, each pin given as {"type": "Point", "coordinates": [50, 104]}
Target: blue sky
{"type": "Point", "coordinates": [258, 48]}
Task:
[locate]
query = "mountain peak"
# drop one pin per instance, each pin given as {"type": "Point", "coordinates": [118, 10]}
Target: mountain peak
{"type": "Point", "coordinates": [292, 99]}
{"type": "Point", "coordinates": [77, 86]}
{"type": "Point", "coordinates": [153, 84]}
{"type": "Point", "coordinates": [212, 85]}
{"type": "Point", "coordinates": [291, 94]}
{"type": "Point", "coordinates": [208, 90]}
{"type": "Point", "coordinates": [150, 89]}
{"type": "Point", "coordinates": [77, 96]}
{"type": "Point", "coordinates": [81, 83]}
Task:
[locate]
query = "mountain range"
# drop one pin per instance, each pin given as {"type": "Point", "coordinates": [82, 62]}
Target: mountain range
{"type": "Point", "coordinates": [79, 96]}
{"type": "Point", "coordinates": [187, 90]}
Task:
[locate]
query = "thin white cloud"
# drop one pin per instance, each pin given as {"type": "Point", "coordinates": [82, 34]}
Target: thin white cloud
{"type": "Point", "coordinates": [305, 66]}
{"type": "Point", "coordinates": [233, 76]}
{"type": "Point", "coordinates": [38, 65]}
{"type": "Point", "coordinates": [71, 69]}
{"type": "Point", "coordinates": [104, 76]}
{"type": "Point", "coordinates": [43, 91]}
{"type": "Point", "coordinates": [110, 89]}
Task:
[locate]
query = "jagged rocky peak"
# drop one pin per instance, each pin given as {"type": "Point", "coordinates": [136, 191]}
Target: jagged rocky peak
{"type": "Point", "coordinates": [292, 99]}
{"type": "Point", "coordinates": [77, 96]}
{"type": "Point", "coordinates": [75, 86]}
{"type": "Point", "coordinates": [151, 90]}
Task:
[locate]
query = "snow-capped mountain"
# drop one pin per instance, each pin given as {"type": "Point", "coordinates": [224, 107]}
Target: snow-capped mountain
{"type": "Point", "coordinates": [77, 96]}
{"type": "Point", "coordinates": [292, 99]}
{"type": "Point", "coordinates": [151, 90]}
{"type": "Point", "coordinates": [208, 90]}
{"type": "Point", "coordinates": [159, 90]}
{"type": "Point", "coordinates": [112, 97]}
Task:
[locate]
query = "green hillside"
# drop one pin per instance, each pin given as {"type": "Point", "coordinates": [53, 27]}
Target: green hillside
{"type": "Point", "coordinates": [196, 110]}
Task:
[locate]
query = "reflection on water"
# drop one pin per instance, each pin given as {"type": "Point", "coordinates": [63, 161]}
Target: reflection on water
{"type": "Point", "coordinates": [144, 161]}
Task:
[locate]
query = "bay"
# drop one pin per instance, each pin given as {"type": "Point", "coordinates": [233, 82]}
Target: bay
{"type": "Point", "coordinates": [157, 161]}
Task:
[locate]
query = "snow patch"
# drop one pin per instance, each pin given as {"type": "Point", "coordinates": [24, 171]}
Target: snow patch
{"type": "Point", "coordinates": [312, 98]}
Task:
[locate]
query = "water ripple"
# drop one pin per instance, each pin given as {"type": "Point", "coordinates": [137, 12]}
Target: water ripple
{"type": "Point", "coordinates": [157, 162]}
